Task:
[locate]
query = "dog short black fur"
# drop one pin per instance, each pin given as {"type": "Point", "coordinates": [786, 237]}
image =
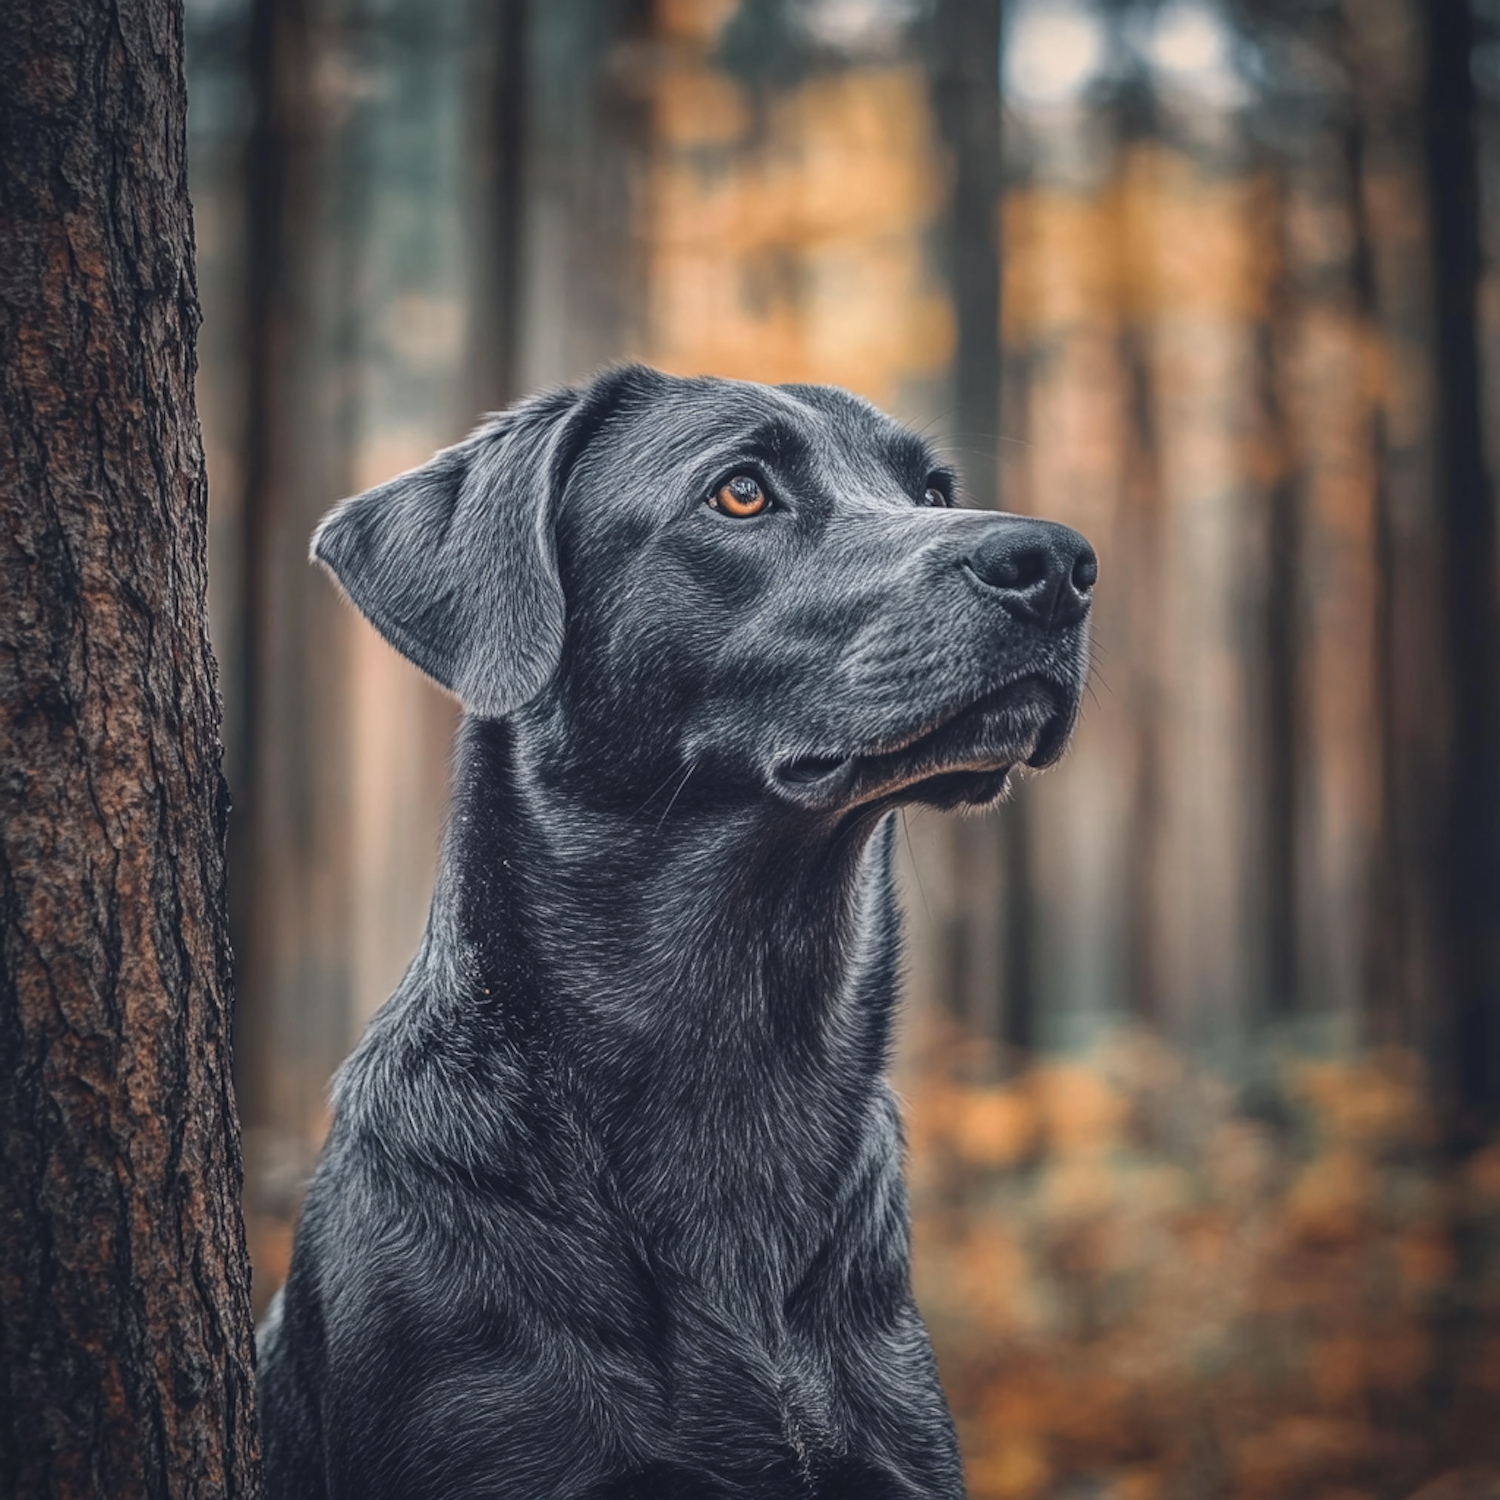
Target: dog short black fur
{"type": "Point", "coordinates": [612, 1202]}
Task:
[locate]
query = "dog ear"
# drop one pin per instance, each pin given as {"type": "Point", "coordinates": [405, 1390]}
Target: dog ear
{"type": "Point", "coordinates": [455, 564]}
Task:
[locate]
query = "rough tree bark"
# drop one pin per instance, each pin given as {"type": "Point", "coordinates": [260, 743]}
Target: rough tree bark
{"type": "Point", "coordinates": [124, 1289]}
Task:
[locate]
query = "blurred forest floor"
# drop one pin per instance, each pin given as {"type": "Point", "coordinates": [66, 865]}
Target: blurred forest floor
{"type": "Point", "coordinates": [1147, 1282]}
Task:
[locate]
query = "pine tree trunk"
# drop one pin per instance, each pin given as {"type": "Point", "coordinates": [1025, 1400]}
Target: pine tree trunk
{"type": "Point", "coordinates": [124, 1289]}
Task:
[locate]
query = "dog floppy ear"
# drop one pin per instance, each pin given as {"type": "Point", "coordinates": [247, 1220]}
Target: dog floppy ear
{"type": "Point", "coordinates": [454, 563]}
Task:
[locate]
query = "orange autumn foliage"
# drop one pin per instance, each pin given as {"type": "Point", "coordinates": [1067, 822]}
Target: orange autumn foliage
{"type": "Point", "coordinates": [1146, 1280]}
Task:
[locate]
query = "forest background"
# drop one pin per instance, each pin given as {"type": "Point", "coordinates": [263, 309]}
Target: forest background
{"type": "Point", "coordinates": [1202, 1055]}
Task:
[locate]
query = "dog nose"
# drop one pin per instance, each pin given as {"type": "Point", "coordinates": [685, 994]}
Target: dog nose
{"type": "Point", "coordinates": [1043, 573]}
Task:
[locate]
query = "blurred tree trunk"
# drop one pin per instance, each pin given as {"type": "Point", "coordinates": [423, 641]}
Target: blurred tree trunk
{"type": "Point", "coordinates": [1142, 502]}
{"type": "Point", "coordinates": [1379, 57]}
{"type": "Point", "coordinates": [1283, 719]}
{"type": "Point", "coordinates": [124, 1287]}
{"type": "Point", "coordinates": [988, 965]}
{"type": "Point", "coordinates": [584, 132]}
{"type": "Point", "coordinates": [501, 30]}
{"type": "Point", "coordinates": [1383, 997]}
{"type": "Point", "coordinates": [1468, 509]}
{"type": "Point", "coordinates": [966, 102]}
{"type": "Point", "coordinates": [1133, 128]}
{"type": "Point", "coordinates": [291, 881]}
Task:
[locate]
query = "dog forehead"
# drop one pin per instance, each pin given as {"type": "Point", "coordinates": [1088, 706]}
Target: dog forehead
{"type": "Point", "coordinates": [678, 431]}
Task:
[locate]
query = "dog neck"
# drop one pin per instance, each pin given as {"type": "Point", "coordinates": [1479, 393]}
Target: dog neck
{"type": "Point", "coordinates": [714, 989]}
{"type": "Point", "coordinates": [760, 933]}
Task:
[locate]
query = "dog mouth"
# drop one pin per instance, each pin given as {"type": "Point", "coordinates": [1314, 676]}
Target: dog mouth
{"type": "Point", "coordinates": [964, 759]}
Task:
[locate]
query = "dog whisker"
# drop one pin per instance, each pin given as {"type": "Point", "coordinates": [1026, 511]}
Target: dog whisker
{"type": "Point", "coordinates": [677, 792]}
{"type": "Point", "coordinates": [670, 777]}
{"type": "Point", "coordinates": [916, 871]}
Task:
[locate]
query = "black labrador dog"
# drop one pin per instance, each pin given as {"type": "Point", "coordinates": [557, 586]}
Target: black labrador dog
{"type": "Point", "coordinates": [612, 1204]}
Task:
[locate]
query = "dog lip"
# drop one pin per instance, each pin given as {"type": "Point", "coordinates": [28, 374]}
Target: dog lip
{"type": "Point", "coordinates": [1051, 742]}
{"type": "Point", "coordinates": [826, 776]}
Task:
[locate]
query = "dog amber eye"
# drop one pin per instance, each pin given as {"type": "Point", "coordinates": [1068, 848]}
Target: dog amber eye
{"type": "Point", "coordinates": [740, 496]}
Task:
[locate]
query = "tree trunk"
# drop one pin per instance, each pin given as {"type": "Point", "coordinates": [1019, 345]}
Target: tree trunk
{"type": "Point", "coordinates": [1383, 1004]}
{"type": "Point", "coordinates": [966, 101]}
{"type": "Point", "coordinates": [988, 961]}
{"type": "Point", "coordinates": [1282, 716]}
{"type": "Point", "coordinates": [124, 1288]}
{"type": "Point", "coordinates": [1468, 508]}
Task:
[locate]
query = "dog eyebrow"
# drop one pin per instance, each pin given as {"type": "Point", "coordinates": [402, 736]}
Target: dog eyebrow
{"type": "Point", "coordinates": [914, 461]}
{"type": "Point", "coordinates": [778, 440]}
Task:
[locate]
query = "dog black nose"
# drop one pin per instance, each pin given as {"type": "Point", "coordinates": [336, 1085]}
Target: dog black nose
{"type": "Point", "coordinates": [1042, 572]}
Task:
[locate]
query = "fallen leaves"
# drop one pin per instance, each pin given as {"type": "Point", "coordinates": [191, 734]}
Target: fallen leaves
{"type": "Point", "coordinates": [1147, 1281]}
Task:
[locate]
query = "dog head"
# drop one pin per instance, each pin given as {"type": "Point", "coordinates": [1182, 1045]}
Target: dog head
{"type": "Point", "coordinates": [765, 591]}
